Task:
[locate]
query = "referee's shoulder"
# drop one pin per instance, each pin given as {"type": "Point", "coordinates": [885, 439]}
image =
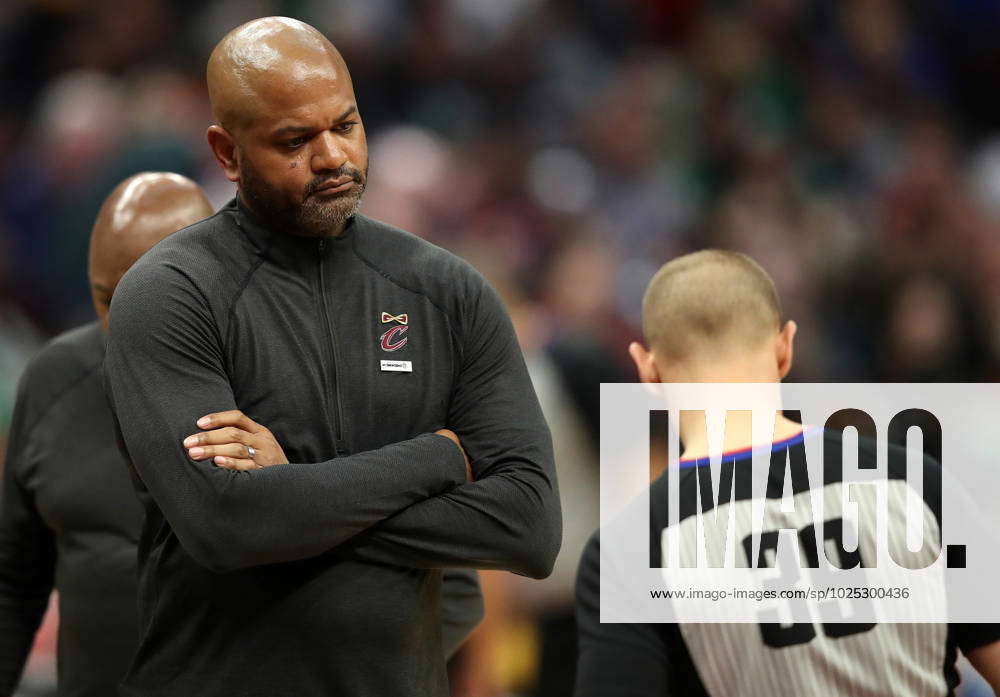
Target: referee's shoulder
{"type": "Point", "coordinates": [588, 577]}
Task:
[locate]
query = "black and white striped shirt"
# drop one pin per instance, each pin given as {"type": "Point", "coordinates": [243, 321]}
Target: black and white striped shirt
{"type": "Point", "coordinates": [859, 660]}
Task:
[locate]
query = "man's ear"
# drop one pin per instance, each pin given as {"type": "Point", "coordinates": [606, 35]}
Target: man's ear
{"type": "Point", "coordinates": [644, 363]}
{"type": "Point", "coordinates": [224, 148]}
{"type": "Point", "coordinates": [785, 348]}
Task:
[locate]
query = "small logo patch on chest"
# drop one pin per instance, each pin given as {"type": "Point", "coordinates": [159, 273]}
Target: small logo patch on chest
{"type": "Point", "coordinates": [394, 339]}
{"type": "Point", "coordinates": [397, 366]}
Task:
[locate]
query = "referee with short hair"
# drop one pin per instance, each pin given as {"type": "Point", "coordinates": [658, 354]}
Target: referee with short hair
{"type": "Point", "coordinates": [714, 316]}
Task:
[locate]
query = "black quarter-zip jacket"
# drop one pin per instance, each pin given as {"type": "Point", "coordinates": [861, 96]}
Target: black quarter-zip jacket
{"type": "Point", "coordinates": [320, 577]}
{"type": "Point", "coordinates": [69, 519]}
{"type": "Point", "coordinates": [73, 523]}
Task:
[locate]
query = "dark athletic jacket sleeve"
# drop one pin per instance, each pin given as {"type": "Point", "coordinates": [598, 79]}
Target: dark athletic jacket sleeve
{"type": "Point", "coordinates": [615, 659]}
{"type": "Point", "coordinates": [27, 555]}
{"type": "Point", "coordinates": [509, 517]}
{"type": "Point", "coordinates": [461, 607]}
{"type": "Point", "coordinates": [165, 369]}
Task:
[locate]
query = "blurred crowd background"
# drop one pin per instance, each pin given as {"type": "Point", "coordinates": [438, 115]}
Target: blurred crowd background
{"type": "Point", "coordinates": [567, 148]}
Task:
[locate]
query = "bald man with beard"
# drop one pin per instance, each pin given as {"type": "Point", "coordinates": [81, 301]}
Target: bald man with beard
{"type": "Point", "coordinates": [323, 411]}
{"type": "Point", "coordinates": [69, 518]}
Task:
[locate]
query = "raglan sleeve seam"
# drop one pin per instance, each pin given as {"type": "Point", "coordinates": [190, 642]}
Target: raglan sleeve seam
{"type": "Point", "coordinates": [55, 400]}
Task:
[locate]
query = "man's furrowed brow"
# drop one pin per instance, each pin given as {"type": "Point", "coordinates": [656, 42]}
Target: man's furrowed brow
{"type": "Point", "coordinates": [292, 131]}
{"type": "Point", "coordinates": [353, 109]}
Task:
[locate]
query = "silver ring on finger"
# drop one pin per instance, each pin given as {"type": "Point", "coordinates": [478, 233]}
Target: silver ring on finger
{"type": "Point", "coordinates": [251, 452]}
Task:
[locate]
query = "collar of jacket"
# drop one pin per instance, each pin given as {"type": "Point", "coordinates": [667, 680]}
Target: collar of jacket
{"type": "Point", "coordinates": [284, 248]}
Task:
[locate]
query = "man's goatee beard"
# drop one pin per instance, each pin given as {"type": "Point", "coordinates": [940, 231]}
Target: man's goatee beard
{"type": "Point", "coordinates": [320, 220]}
{"type": "Point", "coordinates": [309, 218]}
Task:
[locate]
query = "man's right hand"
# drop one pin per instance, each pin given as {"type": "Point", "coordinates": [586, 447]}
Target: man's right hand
{"type": "Point", "coordinates": [450, 435]}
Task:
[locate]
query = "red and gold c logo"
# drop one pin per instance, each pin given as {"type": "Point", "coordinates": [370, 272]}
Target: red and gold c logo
{"type": "Point", "coordinates": [389, 341]}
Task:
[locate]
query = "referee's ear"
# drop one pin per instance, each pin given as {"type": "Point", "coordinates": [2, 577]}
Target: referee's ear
{"type": "Point", "coordinates": [644, 362]}
{"type": "Point", "coordinates": [785, 348]}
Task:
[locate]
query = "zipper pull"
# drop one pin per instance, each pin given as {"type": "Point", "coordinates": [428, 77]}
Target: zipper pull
{"type": "Point", "coordinates": [322, 245]}
{"type": "Point", "coordinates": [340, 448]}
